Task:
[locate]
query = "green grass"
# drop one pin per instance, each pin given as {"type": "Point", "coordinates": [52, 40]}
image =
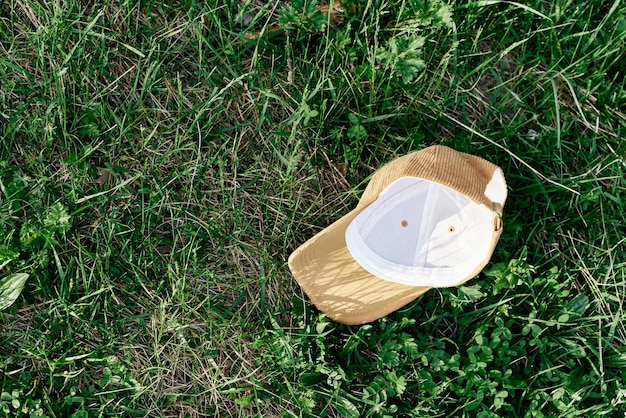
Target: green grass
{"type": "Point", "coordinates": [157, 168]}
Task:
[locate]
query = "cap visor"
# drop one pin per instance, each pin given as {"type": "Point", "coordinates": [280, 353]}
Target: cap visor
{"type": "Point", "coordinates": [338, 285]}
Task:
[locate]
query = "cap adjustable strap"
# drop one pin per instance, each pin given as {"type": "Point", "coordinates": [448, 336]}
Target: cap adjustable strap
{"type": "Point", "coordinates": [497, 216]}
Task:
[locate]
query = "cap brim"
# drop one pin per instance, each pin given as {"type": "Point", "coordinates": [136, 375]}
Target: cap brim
{"type": "Point", "coordinates": [338, 285]}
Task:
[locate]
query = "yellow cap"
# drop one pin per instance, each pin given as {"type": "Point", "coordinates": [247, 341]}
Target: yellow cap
{"type": "Point", "coordinates": [431, 218]}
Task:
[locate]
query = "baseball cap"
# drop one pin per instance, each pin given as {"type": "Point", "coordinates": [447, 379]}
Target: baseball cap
{"type": "Point", "coordinates": [428, 219]}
